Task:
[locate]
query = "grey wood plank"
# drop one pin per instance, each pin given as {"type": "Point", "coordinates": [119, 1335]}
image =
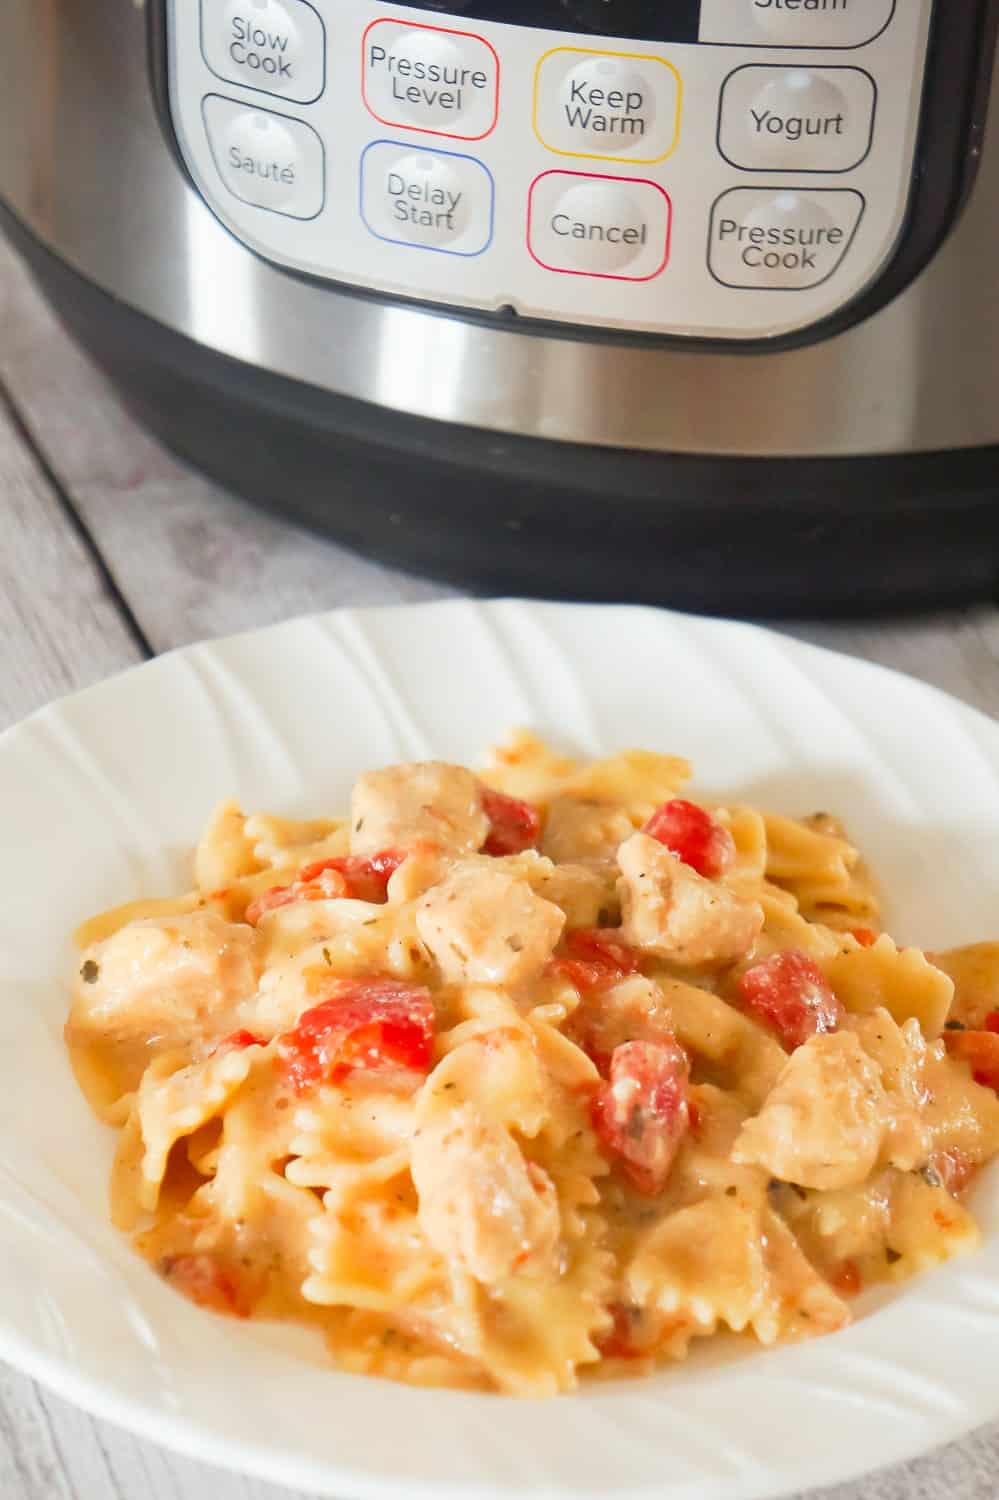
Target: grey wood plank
{"type": "Point", "coordinates": [193, 560]}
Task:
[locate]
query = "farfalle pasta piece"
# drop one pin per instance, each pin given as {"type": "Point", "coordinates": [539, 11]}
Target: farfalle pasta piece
{"type": "Point", "coordinates": [902, 981]}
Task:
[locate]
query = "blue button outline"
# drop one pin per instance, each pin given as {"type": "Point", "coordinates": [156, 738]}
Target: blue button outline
{"type": "Point", "coordinates": [409, 148]}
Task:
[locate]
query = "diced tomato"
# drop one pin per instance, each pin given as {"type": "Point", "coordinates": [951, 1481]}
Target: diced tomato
{"type": "Point", "coordinates": [514, 825]}
{"type": "Point", "coordinates": [237, 1040]}
{"type": "Point", "coordinates": [693, 836]}
{"type": "Point", "coordinates": [980, 1050]}
{"type": "Point", "coordinates": [372, 1024]}
{"type": "Point", "coordinates": [619, 1341]}
{"type": "Point", "coordinates": [641, 1115]}
{"type": "Point", "coordinates": [866, 936]}
{"type": "Point", "coordinates": [952, 1168]}
{"type": "Point", "coordinates": [594, 957]}
{"type": "Point", "coordinates": [991, 1022]}
{"type": "Point", "coordinates": [788, 992]}
{"type": "Point", "coordinates": [209, 1282]}
{"type": "Point", "coordinates": [330, 880]}
{"type": "Point", "coordinates": [846, 1279]}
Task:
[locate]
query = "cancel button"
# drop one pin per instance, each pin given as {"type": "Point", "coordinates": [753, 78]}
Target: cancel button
{"type": "Point", "coordinates": [599, 226]}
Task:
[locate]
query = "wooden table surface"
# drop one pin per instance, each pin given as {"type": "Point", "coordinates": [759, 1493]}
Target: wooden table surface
{"type": "Point", "coordinates": [113, 551]}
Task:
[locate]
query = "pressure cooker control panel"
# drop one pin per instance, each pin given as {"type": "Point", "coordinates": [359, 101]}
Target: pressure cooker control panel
{"type": "Point", "coordinates": [743, 175]}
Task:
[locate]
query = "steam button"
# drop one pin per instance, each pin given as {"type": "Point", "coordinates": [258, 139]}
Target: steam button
{"type": "Point", "coordinates": [268, 160]}
{"type": "Point", "coordinates": [794, 23]}
{"type": "Point", "coordinates": [277, 46]}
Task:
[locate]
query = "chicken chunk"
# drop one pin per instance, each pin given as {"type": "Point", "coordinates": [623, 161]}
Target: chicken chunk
{"type": "Point", "coordinates": [485, 926]}
{"type": "Point", "coordinates": [480, 1202]}
{"type": "Point", "coordinates": [583, 830]}
{"type": "Point", "coordinates": [823, 1124]}
{"type": "Point", "coordinates": [670, 910]}
{"type": "Point", "coordinates": [181, 977]}
{"type": "Point", "coordinates": [409, 804]}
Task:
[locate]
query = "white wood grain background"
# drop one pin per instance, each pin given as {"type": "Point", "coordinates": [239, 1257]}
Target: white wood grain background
{"type": "Point", "coordinates": [111, 550]}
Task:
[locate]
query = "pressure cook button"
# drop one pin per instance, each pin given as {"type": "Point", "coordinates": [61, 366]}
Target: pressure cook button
{"type": "Point", "coordinates": [796, 118]}
{"type": "Point", "coordinates": [278, 46]}
{"type": "Point", "coordinates": [781, 239]}
{"type": "Point", "coordinates": [428, 78]}
{"type": "Point", "coordinates": [266, 159]}
{"type": "Point", "coordinates": [583, 225]}
{"type": "Point", "coordinates": [435, 200]}
{"type": "Point", "coordinates": [794, 23]}
{"type": "Point", "coordinates": [618, 106]}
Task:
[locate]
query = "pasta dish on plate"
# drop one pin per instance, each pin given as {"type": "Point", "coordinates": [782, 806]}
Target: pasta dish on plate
{"type": "Point", "coordinates": [516, 1077]}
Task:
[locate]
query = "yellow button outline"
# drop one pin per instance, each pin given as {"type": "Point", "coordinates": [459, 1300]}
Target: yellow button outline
{"type": "Point", "coordinates": [636, 161]}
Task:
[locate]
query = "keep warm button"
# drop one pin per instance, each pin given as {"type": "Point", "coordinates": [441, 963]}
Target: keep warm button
{"type": "Point", "coordinates": [585, 225]}
{"type": "Point", "coordinates": [782, 239]}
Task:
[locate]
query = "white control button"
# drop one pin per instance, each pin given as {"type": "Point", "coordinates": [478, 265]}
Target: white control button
{"type": "Point", "coordinates": [278, 46]}
{"type": "Point", "coordinates": [794, 23]}
{"type": "Point", "coordinates": [436, 200]}
{"type": "Point", "coordinates": [788, 119]}
{"type": "Point", "coordinates": [611, 105]}
{"type": "Point", "coordinates": [599, 226]}
{"type": "Point", "coordinates": [431, 79]}
{"type": "Point", "coordinates": [783, 239]}
{"type": "Point", "coordinates": [266, 159]}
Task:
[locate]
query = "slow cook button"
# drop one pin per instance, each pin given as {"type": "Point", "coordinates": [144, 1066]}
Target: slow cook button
{"type": "Point", "coordinates": [620, 106]}
{"type": "Point", "coordinates": [794, 23]}
{"type": "Point", "coordinates": [783, 239]}
{"type": "Point", "coordinates": [584, 225]}
{"type": "Point", "coordinates": [436, 200]}
{"type": "Point", "coordinates": [266, 159]}
{"type": "Point", "coordinates": [278, 46]}
{"type": "Point", "coordinates": [796, 118]}
{"type": "Point", "coordinates": [431, 79]}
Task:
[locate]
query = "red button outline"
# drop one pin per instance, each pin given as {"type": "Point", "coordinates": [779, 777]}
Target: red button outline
{"type": "Point", "coordinates": [600, 275]}
{"type": "Point", "coordinates": [444, 31]}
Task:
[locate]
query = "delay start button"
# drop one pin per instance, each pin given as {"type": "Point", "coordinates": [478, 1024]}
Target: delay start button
{"type": "Point", "coordinates": [434, 200]}
{"type": "Point", "coordinates": [584, 225]}
{"type": "Point", "coordinates": [277, 46]}
{"type": "Point", "coordinates": [781, 239]}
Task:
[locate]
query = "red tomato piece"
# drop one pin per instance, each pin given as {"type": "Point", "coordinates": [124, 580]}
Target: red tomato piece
{"type": "Point", "coordinates": [514, 827]}
{"type": "Point", "coordinates": [846, 1279]}
{"type": "Point", "coordinates": [789, 993]}
{"type": "Point", "coordinates": [866, 936]}
{"type": "Point", "coordinates": [693, 836]}
{"type": "Point", "coordinates": [331, 879]}
{"type": "Point", "coordinates": [980, 1050]}
{"type": "Point", "coordinates": [208, 1282]}
{"type": "Point", "coordinates": [328, 885]}
{"type": "Point", "coordinates": [953, 1168]}
{"type": "Point", "coordinates": [373, 1025]}
{"type": "Point", "coordinates": [619, 1341]}
{"type": "Point", "coordinates": [237, 1040]}
{"type": "Point", "coordinates": [640, 1116]}
{"type": "Point", "coordinates": [594, 957]}
{"type": "Point", "coordinates": [992, 1021]}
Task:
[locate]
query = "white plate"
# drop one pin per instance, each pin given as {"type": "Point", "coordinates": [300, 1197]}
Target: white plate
{"type": "Point", "coordinates": [101, 797]}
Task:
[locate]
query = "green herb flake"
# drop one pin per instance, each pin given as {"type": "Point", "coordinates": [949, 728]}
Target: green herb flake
{"type": "Point", "coordinates": [326, 957]}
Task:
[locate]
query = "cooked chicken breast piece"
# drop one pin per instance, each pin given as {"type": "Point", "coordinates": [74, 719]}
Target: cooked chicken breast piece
{"type": "Point", "coordinates": [428, 802]}
{"type": "Point", "coordinates": [670, 910]}
{"type": "Point", "coordinates": [486, 926]}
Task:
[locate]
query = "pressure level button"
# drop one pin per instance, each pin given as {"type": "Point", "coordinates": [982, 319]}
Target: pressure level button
{"type": "Point", "coordinates": [276, 46]}
{"type": "Point", "coordinates": [782, 239]}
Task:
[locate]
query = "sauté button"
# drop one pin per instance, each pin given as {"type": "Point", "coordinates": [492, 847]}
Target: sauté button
{"type": "Point", "coordinates": [584, 225]}
{"type": "Point", "coordinates": [611, 105]}
{"type": "Point", "coordinates": [796, 118]}
{"type": "Point", "coordinates": [437, 200]}
{"type": "Point", "coordinates": [269, 160]}
{"type": "Point", "coordinates": [278, 46]}
{"type": "Point", "coordinates": [431, 79]}
{"type": "Point", "coordinates": [794, 23]}
{"type": "Point", "coordinates": [782, 239]}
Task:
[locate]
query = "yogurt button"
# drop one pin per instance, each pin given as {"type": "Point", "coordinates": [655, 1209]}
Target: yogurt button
{"type": "Point", "coordinates": [606, 104]}
{"type": "Point", "coordinates": [797, 118]}
{"type": "Point", "coordinates": [277, 46]}
{"type": "Point", "coordinates": [794, 23]}
{"type": "Point", "coordinates": [268, 160]}
{"type": "Point", "coordinates": [437, 200]}
{"type": "Point", "coordinates": [426, 78]}
{"type": "Point", "coordinates": [782, 240]}
{"type": "Point", "coordinates": [599, 226]}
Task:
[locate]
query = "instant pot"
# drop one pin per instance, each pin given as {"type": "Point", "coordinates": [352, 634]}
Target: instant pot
{"type": "Point", "coordinates": [691, 301]}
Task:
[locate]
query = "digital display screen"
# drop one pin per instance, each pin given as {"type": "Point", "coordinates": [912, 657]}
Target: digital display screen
{"type": "Point", "coordinates": [642, 20]}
